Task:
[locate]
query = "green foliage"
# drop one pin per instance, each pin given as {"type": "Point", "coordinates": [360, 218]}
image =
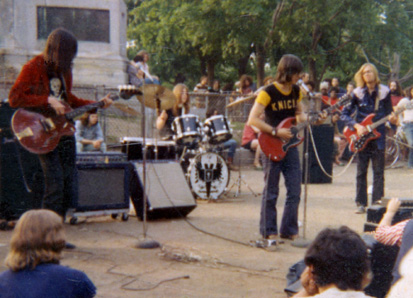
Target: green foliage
{"type": "Point", "coordinates": [332, 37]}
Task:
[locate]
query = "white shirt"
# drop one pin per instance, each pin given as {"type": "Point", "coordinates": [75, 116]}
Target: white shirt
{"type": "Point", "coordinates": [336, 293]}
{"type": "Point", "coordinates": [407, 115]}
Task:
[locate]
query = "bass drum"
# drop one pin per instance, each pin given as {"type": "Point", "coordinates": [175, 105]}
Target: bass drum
{"type": "Point", "coordinates": [208, 175]}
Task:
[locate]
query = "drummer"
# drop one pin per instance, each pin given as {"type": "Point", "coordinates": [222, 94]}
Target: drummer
{"type": "Point", "coordinates": [167, 117]}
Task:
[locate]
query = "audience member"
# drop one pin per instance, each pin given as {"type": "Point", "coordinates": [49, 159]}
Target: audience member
{"type": "Point", "coordinates": [246, 84]}
{"type": "Point", "coordinates": [250, 141]}
{"type": "Point", "coordinates": [403, 287]}
{"type": "Point", "coordinates": [406, 120]}
{"type": "Point", "coordinates": [395, 88]}
{"type": "Point", "coordinates": [350, 88]}
{"type": "Point", "coordinates": [89, 135]}
{"type": "Point", "coordinates": [202, 86]}
{"type": "Point", "coordinates": [216, 87]}
{"type": "Point", "coordinates": [136, 75]}
{"type": "Point", "coordinates": [141, 63]}
{"type": "Point", "coordinates": [33, 261]}
{"type": "Point", "coordinates": [336, 83]}
{"type": "Point", "coordinates": [337, 265]}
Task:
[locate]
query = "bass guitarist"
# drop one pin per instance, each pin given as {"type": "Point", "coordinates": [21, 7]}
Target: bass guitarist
{"type": "Point", "coordinates": [45, 84]}
{"type": "Point", "coordinates": [369, 97]}
{"type": "Point", "coordinates": [279, 101]}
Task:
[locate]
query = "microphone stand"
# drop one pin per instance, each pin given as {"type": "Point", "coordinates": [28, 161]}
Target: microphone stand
{"type": "Point", "coordinates": [145, 243]}
{"type": "Point", "coordinates": [303, 242]}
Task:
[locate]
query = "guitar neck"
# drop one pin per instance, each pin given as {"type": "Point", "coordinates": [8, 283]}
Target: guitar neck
{"type": "Point", "coordinates": [384, 119]}
{"type": "Point", "coordinates": [338, 104]}
{"type": "Point", "coordinates": [79, 111]}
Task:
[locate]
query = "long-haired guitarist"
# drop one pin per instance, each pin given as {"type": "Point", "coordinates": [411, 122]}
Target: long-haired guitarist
{"type": "Point", "coordinates": [45, 83]}
{"type": "Point", "coordinates": [279, 101]}
{"type": "Point", "coordinates": [369, 97]}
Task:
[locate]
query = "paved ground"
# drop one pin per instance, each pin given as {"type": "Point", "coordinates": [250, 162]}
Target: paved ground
{"type": "Point", "coordinates": [207, 254]}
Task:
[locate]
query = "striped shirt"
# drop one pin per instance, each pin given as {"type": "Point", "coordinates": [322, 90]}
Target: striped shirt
{"type": "Point", "coordinates": [391, 235]}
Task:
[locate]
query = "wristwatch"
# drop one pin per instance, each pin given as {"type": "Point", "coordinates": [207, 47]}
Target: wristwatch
{"type": "Point", "coordinates": [274, 131]}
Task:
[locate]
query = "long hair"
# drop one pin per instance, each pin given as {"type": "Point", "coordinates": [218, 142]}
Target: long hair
{"type": "Point", "coordinates": [408, 93]}
{"type": "Point", "coordinates": [177, 91]}
{"type": "Point", "coordinates": [37, 238]}
{"type": "Point", "coordinates": [60, 50]}
{"type": "Point", "coordinates": [358, 77]}
{"type": "Point", "coordinates": [245, 78]}
{"type": "Point", "coordinates": [288, 66]}
{"type": "Point", "coordinates": [84, 119]}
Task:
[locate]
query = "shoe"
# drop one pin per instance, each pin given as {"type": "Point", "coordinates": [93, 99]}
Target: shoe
{"type": "Point", "coordinates": [233, 168]}
{"type": "Point", "coordinates": [378, 202]}
{"type": "Point", "coordinates": [258, 168]}
{"type": "Point", "coordinates": [288, 237]}
{"type": "Point", "coordinates": [69, 245]}
{"type": "Point", "coordinates": [361, 210]}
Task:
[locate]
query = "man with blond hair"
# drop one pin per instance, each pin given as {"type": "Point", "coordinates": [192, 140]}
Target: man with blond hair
{"type": "Point", "coordinates": [369, 97]}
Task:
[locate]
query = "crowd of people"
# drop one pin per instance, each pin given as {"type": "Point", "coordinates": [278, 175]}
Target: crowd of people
{"type": "Point", "coordinates": [337, 261]}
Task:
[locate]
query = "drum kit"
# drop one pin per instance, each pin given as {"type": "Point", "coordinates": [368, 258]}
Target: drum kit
{"type": "Point", "coordinates": [198, 143]}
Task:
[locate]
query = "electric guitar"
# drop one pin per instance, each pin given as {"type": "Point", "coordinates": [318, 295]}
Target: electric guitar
{"type": "Point", "coordinates": [358, 143]}
{"type": "Point", "coordinates": [40, 132]}
{"type": "Point", "coordinates": [276, 148]}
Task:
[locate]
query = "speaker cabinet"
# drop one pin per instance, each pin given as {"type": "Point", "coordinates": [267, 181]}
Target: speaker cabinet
{"type": "Point", "coordinates": [324, 142]}
{"type": "Point", "coordinates": [168, 194]}
{"type": "Point", "coordinates": [102, 186]}
{"type": "Point", "coordinates": [21, 176]}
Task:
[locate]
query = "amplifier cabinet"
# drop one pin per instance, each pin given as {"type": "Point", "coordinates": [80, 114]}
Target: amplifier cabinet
{"type": "Point", "coordinates": [102, 186]}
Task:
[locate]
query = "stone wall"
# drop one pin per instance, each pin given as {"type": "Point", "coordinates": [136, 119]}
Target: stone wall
{"type": "Point", "coordinates": [97, 63]}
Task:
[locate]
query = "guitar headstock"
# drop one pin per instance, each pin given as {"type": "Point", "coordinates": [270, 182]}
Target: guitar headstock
{"type": "Point", "coordinates": [344, 100]}
{"type": "Point", "coordinates": [127, 91]}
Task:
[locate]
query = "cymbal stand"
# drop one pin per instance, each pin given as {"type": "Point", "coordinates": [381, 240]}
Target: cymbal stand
{"type": "Point", "coordinates": [239, 182]}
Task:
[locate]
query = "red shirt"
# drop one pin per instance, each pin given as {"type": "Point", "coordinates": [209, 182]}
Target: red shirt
{"type": "Point", "coordinates": [32, 87]}
{"type": "Point", "coordinates": [248, 135]}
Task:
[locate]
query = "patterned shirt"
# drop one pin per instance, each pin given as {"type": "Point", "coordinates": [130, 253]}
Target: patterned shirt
{"type": "Point", "coordinates": [391, 235]}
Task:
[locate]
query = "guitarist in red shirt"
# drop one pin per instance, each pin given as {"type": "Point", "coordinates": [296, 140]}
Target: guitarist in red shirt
{"type": "Point", "coordinates": [44, 84]}
{"type": "Point", "coordinates": [369, 97]}
{"type": "Point", "coordinates": [279, 101]}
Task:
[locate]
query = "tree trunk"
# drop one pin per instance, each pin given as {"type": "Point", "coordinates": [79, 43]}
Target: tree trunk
{"type": "Point", "coordinates": [260, 56]}
{"type": "Point", "coordinates": [242, 65]}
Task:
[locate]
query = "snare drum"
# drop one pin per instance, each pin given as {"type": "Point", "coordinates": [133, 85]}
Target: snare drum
{"type": "Point", "coordinates": [217, 129]}
{"type": "Point", "coordinates": [187, 130]}
{"type": "Point", "coordinates": [208, 175]}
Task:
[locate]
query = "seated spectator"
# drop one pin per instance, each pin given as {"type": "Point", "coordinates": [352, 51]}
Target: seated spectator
{"type": "Point", "coordinates": [250, 141]}
{"type": "Point", "coordinates": [89, 135]}
{"type": "Point", "coordinates": [33, 261]}
{"type": "Point", "coordinates": [216, 87]}
{"type": "Point", "coordinates": [337, 265]}
{"type": "Point", "coordinates": [202, 86]}
{"type": "Point", "coordinates": [141, 63]}
{"type": "Point", "coordinates": [400, 234]}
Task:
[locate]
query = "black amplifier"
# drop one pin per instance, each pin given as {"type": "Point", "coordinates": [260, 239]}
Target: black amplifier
{"type": "Point", "coordinates": [98, 157]}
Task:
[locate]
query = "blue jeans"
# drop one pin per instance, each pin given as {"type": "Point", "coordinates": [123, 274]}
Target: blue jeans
{"type": "Point", "coordinates": [408, 131]}
{"type": "Point", "coordinates": [231, 146]}
{"type": "Point", "coordinates": [59, 170]}
{"type": "Point", "coordinates": [290, 168]}
{"type": "Point", "coordinates": [377, 157]}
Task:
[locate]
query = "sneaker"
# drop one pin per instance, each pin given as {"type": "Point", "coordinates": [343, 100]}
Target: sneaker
{"type": "Point", "coordinates": [360, 210]}
{"type": "Point", "coordinates": [378, 202]}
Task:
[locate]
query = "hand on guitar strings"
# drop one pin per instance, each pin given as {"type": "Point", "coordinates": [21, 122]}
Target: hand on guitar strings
{"type": "Point", "coordinates": [56, 105]}
{"type": "Point", "coordinates": [361, 129]}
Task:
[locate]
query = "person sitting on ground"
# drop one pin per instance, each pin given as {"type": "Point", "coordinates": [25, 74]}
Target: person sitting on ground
{"type": "Point", "coordinates": [89, 135]}
{"type": "Point", "coordinates": [337, 265]}
{"type": "Point", "coordinates": [250, 142]}
{"type": "Point", "coordinates": [141, 63]}
{"type": "Point", "coordinates": [33, 261]}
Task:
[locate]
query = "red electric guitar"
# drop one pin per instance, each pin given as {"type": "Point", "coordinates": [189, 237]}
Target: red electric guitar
{"type": "Point", "coordinates": [40, 133]}
{"type": "Point", "coordinates": [358, 143]}
{"type": "Point", "coordinates": [276, 149]}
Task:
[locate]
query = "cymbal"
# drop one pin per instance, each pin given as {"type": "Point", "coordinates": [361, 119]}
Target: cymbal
{"type": "Point", "coordinates": [240, 100]}
{"type": "Point", "coordinates": [125, 108]}
{"type": "Point", "coordinates": [152, 92]}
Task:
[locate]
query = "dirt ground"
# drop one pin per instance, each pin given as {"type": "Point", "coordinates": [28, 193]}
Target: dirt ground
{"type": "Point", "coordinates": [208, 254]}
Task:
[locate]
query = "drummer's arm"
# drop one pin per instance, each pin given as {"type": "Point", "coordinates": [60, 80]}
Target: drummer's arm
{"type": "Point", "coordinates": [161, 120]}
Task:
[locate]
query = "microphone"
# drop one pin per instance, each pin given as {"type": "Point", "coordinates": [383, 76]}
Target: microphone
{"type": "Point", "coordinates": [301, 84]}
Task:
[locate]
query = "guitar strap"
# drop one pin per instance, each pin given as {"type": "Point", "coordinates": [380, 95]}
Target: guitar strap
{"type": "Point", "coordinates": [377, 100]}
